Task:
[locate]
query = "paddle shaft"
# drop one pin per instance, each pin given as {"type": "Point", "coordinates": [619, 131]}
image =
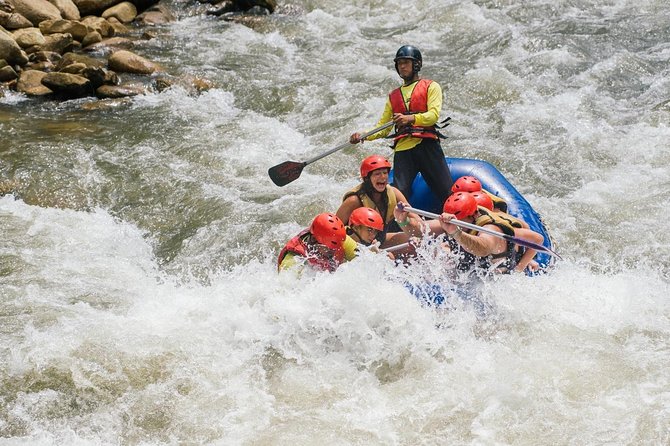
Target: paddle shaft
{"type": "Point", "coordinates": [463, 224]}
{"type": "Point", "coordinates": [347, 144]}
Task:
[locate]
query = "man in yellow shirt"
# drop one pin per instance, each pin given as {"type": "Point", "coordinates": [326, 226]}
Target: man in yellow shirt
{"type": "Point", "coordinates": [415, 108]}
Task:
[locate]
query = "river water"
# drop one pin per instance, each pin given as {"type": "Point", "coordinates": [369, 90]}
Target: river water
{"type": "Point", "coordinates": [139, 299]}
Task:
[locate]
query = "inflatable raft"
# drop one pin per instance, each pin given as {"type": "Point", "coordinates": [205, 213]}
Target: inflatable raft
{"type": "Point", "coordinates": [494, 182]}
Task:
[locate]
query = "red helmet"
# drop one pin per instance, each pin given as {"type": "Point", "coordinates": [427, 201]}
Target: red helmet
{"type": "Point", "coordinates": [466, 184]}
{"type": "Point", "coordinates": [483, 199]}
{"type": "Point", "coordinates": [328, 230]}
{"type": "Point", "coordinates": [461, 204]}
{"type": "Point", "coordinates": [373, 162]}
{"type": "Point", "coordinates": [366, 217]}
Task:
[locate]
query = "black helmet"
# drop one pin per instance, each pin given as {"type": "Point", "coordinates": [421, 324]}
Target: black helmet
{"type": "Point", "coordinates": [409, 52]}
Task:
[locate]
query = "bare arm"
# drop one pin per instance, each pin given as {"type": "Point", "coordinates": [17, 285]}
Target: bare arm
{"type": "Point", "coordinates": [527, 257]}
{"type": "Point", "coordinates": [347, 207]}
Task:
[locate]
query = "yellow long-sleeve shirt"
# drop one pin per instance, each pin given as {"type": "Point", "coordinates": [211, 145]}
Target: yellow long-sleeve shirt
{"type": "Point", "coordinates": [425, 119]}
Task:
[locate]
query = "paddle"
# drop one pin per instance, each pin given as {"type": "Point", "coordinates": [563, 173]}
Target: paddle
{"type": "Point", "coordinates": [288, 171]}
{"type": "Point", "coordinates": [463, 224]}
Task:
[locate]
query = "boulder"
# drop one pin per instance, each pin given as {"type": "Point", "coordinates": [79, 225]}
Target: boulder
{"type": "Point", "coordinates": [10, 50]}
{"type": "Point", "coordinates": [156, 15]}
{"type": "Point", "coordinates": [27, 37]}
{"type": "Point", "coordinates": [62, 26]}
{"type": "Point", "coordinates": [14, 20]}
{"type": "Point", "coordinates": [124, 12]}
{"type": "Point", "coordinates": [40, 56]}
{"type": "Point", "coordinates": [68, 10]}
{"type": "Point", "coordinates": [91, 38]}
{"type": "Point", "coordinates": [58, 43]}
{"type": "Point", "coordinates": [94, 7]}
{"type": "Point", "coordinates": [127, 62]}
{"type": "Point", "coordinates": [120, 91]}
{"type": "Point", "coordinates": [73, 68]}
{"type": "Point", "coordinates": [100, 25]}
{"type": "Point", "coordinates": [73, 58]}
{"type": "Point", "coordinates": [30, 83]}
{"type": "Point", "coordinates": [68, 85]}
{"type": "Point", "coordinates": [36, 10]}
{"type": "Point", "coordinates": [99, 76]}
{"type": "Point", "coordinates": [7, 73]}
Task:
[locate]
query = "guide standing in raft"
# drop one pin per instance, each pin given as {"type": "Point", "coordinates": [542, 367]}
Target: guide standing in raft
{"type": "Point", "coordinates": [415, 108]}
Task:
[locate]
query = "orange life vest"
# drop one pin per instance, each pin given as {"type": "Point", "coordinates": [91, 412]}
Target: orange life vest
{"type": "Point", "coordinates": [298, 247]}
{"type": "Point", "coordinates": [418, 103]}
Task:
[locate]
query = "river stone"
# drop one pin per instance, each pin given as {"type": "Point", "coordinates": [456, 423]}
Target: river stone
{"type": "Point", "coordinates": [91, 38]}
{"type": "Point", "coordinates": [127, 62]}
{"type": "Point", "coordinates": [68, 10]}
{"type": "Point", "coordinates": [156, 15]}
{"type": "Point", "coordinates": [100, 76]}
{"type": "Point", "coordinates": [100, 25]}
{"type": "Point", "coordinates": [43, 65]}
{"type": "Point", "coordinates": [72, 58]}
{"type": "Point", "coordinates": [10, 50]}
{"type": "Point", "coordinates": [69, 85]}
{"type": "Point", "coordinates": [40, 56]}
{"type": "Point", "coordinates": [14, 20]}
{"type": "Point", "coordinates": [124, 12]}
{"type": "Point", "coordinates": [36, 10]}
{"type": "Point", "coordinates": [73, 68]}
{"type": "Point", "coordinates": [7, 73]}
{"type": "Point", "coordinates": [94, 7]}
{"type": "Point", "coordinates": [61, 26]}
{"type": "Point", "coordinates": [30, 83]}
{"type": "Point", "coordinates": [58, 43]}
{"type": "Point", "coordinates": [120, 91]}
{"type": "Point", "coordinates": [119, 28]}
{"type": "Point", "coordinates": [27, 37]}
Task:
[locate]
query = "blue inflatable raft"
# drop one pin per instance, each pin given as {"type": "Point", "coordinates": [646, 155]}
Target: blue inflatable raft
{"type": "Point", "coordinates": [494, 182]}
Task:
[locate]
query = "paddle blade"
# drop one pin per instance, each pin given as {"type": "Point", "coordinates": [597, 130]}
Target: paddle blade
{"type": "Point", "coordinates": [284, 173]}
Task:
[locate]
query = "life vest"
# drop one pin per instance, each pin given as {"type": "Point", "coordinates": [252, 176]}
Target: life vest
{"type": "Point", "coordinates": [369, 203]}
{"type": "Point", "coordinates": [468, 261]}
{"type": "Point", "coordinates": [418, 103]}
{"type": "Point", "coordinates": [298, 247]}
{"type": "Point", "coordinates": [498, 203]}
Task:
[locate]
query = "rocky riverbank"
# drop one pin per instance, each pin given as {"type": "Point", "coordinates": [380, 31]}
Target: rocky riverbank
{"type": "Point", "coordinates": [65, 49]}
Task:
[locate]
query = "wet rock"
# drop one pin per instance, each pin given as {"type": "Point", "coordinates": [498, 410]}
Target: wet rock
{"type": "Point", "coordinates": [14, 20]}
{"type": "Point", "coordinates": [73, 58]}
{"type": "Point", "coordinates": [268, 6]}
{"type": "Point", "coordinates": [30, 83]}
{"type": "Point", "coordinates": [156, 15]}
{"type": "Point", "coordinates": [105, 104]}
{"type": "Point", "coordinates": [100, 25]}
{"type": "Point", "coordinates": [120, 91]}
{"type": "Point", "coordinates": [124, 12]}
{"type": "Point", "coordinates": [58, 43]}
{"type": "Point", "coordinates": [36, 10]}
{"type": "Point", "coordinates": [100, 76]}
{"type": "Point", "coordinates": [119, 28]}
{"type": "Point", "coordinates": [41, 56]}
{"type": "Point", "coordinates": [44, 65]}
{"type": "Point", "coordinates": [27, 37]}
{"type": "Point", "coordinates": [68, 10]}
{"type": "Point", "coordinates": [68, 85]}
{"type": "Point", "coordinates": [127, 62]}
{"type": "Point", "coordinates": [7, 73]}
{"type": "Point", "coordinates": [110, 45]}
{"type": "Point", "coordinates": [91, 38]}
{"type": "Point", "coordinates": [75, 68]}
{"type": "Point", "coordinates": [10, 50]}
{"type": "Point", "coordinates": [76, 29]}
{"type": "Point", "coordinates": [93, 7]}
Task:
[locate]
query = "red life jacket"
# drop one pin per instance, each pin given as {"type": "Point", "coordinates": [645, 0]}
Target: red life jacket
{"type": "Point", "coordinates": [298, 247]}
{"type": "Point", "coordinates": [418, 103]}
